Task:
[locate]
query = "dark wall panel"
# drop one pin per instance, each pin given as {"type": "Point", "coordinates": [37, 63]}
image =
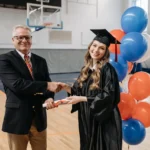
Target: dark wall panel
{"type": "Point", "coordinates": [21, 4]}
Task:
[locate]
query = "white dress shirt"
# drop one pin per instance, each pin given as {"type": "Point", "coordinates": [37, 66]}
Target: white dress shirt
{"type": "Point", "coordinates": [22, 55]}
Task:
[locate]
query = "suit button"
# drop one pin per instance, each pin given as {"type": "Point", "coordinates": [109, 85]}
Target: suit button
{"type": "Point", "coordinates": [33, 107]}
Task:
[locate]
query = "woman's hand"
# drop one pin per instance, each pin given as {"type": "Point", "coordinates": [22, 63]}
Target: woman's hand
{"type": "Point", "coordinates": [65, 87]}
{"type": "Point", "coordinates": [76, 99]}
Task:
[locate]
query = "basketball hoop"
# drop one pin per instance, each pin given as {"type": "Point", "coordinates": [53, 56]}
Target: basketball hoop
{"type": "Point", "coordinates": [48, 24]}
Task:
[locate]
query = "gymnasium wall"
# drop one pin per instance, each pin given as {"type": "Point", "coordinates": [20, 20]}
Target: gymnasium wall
{"type": "Point", "coordinates": [65, 53]}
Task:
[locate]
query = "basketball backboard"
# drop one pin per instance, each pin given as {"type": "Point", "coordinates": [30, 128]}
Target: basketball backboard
{"type": "Point", "coordinates": [41, 16]}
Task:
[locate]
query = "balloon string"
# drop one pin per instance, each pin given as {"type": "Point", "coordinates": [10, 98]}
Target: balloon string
{"type": "Point", "coordinates": [128, 147]}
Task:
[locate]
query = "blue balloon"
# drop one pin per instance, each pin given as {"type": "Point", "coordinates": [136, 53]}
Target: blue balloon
{"type": "Point", "coordinates": [134, 19]}
{"type": "Point", "coordinates": [133, 131]}
{"type": "Point", "coordinates": [133, 46]}
{"type": "Point", "coordinates": [120, 66]}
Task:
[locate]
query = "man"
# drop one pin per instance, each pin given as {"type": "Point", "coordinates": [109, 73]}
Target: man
{"type": "Point", "coordinates": [27, 85]}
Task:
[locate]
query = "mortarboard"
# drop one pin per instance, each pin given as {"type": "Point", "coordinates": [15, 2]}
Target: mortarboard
{"type": "Point", "coordinates": [103, 36]}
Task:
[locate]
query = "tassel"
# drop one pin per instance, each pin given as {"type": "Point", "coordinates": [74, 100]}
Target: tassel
{"type": "Point", "coordinates": [116, 56]}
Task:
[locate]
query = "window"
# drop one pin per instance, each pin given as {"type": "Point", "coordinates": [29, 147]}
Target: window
{"type": "Point", "coordinates": [140, 3]}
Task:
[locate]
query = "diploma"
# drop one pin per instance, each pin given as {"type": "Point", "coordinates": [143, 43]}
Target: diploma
{"type": "Point", "coordinates": [58, 102]}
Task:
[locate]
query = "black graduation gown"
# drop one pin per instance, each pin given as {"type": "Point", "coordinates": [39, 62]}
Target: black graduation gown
{"type": "Point", "coordinates": [99, 119]}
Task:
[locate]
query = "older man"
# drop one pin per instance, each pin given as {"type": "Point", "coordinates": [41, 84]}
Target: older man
{"type": "Point", "coordinates": [27, 85]}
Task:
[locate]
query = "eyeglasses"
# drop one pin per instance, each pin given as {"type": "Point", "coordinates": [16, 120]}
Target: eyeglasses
{"type": "Point", "coordinates": [20, 38]}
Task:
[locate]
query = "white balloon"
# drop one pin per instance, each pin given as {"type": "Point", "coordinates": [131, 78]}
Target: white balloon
{"type": "Point", "coordinates": [147, 100]}
{"type": "Point", "coordinates": [147, 53]}
{"type": "Point", "coordinates": [124, 83]}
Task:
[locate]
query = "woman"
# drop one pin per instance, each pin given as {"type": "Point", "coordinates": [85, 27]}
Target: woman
{"type": "Point", "coordinates": [96, 98]}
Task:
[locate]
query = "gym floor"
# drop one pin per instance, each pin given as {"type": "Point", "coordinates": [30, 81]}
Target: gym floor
{"type": "Point", "coordinates": [62, 125]}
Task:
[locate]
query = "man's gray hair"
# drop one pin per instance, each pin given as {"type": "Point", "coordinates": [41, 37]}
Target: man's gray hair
{"type": "Point", "coordinates": [20, 26]}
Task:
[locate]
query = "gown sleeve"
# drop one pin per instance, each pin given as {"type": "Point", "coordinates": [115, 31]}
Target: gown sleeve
{"type": "Point", "coordinates": [75, 91]}
{"type": "Point", "coordinates": [103, 104]}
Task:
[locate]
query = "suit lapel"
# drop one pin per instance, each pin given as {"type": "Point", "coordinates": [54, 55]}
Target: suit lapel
{"type": "Point", "coordinates": [21, 65]}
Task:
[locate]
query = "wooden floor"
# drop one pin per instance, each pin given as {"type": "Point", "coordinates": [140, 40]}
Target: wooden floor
{"type": "Point", "coordinates": [62, 130]}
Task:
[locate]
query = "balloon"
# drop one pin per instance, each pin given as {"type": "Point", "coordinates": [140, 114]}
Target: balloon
{"type": "Point", "coordinates": [147, 100]}
{"type": "Point", "coordinates": [139, 85]}
{"type": "Point", "coordinates": [133, 131]}
{"type": "Point", "coordinates": [121, 90]}
{"type": "Point", "coordinates": [141, 112]}
{"type": "Point", "coordinates": [147, 53]}
{"type": "Point", "coordinates": [112, 48]}
{"type": "Point", "coordinates": [130, 66]}
{"type": "Point", "coordinates": [124, 83]}
{"type": "Point", "coordinates": [118, 34]}
{"type": "Point", "coordinates": [134, 19]}
{"type": "Point", "coordinates": [133, 46]}
{"type": "Point", "coordinates": [121, 66]}
{"type": "Point", "coordinates": [126, 105]}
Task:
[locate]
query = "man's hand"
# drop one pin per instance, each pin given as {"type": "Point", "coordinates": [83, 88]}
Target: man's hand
{"type": "Point", "coordinates": [65, 87]}
{"type": "Point", "coordinates": [49, 103]}
{"type": "Point", "coordinates": [54, 86]}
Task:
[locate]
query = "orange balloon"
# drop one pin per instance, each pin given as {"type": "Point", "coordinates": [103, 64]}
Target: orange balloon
{"type": "Point", "coordinates": [112, 48]}
{"type": "Point", "coordinates": [130, 66]}
{"type": "Point", "coordinates": [141, 112]}
{"type": "Point", "coordinates": [118, 34]}
{"type": "Point", "coordinates": [126, 105]}
{"type": "Point", "coordinates": [139, 85]}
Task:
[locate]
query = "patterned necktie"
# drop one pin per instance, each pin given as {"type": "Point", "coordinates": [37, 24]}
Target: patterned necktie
{"type": "Point", "coordinates": [28, 63]}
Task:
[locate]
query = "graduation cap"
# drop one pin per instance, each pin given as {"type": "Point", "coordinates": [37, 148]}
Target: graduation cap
{"type": "Point", "coordinates": [103, 36]}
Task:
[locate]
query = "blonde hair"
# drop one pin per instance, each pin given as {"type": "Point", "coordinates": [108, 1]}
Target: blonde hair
{"type": "Point", "coordinates": [20, 26]}
{"type": "Point", "coordinates": [95, 74]}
